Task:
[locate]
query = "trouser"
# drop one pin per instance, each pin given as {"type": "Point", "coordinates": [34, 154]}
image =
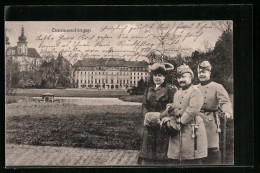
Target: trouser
{"type": "Point", "coordinates": [214, 157]}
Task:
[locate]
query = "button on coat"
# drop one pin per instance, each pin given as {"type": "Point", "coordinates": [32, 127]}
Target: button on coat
{"type": "Point", "coordinates": [181, 144]}
{"type": "Point", "coordinates": [214, 96]}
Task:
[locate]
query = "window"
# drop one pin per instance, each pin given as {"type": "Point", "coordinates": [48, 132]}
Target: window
{"type": "Point", "coordinates": [112, 81]}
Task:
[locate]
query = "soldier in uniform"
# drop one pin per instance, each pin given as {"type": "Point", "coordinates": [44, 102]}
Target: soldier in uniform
{"type": "Point", "coordinates": [214, 96]}
{"type": "Point", "coordinates": [188, 140]}
{"type": "Point", "coordinates": [155, 142]}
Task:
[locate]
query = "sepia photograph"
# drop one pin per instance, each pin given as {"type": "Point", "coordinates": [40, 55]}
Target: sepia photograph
{"type": "Point", "coordinates": [119, 93]}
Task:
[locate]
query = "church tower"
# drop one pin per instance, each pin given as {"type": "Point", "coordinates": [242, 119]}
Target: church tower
{"type": "Point", "coordinates": [22, 44]}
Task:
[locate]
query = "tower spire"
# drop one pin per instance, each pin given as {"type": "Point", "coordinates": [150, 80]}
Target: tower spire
{"type": "Point", "coordinates": [22, 31]}
{"type": "Point", "coordinates": [22, 38]}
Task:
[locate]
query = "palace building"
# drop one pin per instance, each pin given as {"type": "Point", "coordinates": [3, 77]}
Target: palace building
{"type": "Point", "coordinates": [109, 73]}
{"type": "Point", "coordinates": [28, 58]}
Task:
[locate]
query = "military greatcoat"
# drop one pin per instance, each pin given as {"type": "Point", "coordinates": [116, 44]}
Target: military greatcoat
{"type": "Point", "coordinates": [214, 96]}
{"type": "Point", "coordinates": [187, 104]}
{"type": "Point", "coordinates": [155, 142]}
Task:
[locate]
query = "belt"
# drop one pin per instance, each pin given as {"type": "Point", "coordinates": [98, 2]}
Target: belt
{"type": "Point", "coordinates": [213, 149]}
{"type": "Point", "coordinates": [207, 110]}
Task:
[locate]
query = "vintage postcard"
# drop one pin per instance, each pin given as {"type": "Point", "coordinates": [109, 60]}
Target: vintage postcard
{"type": "Point", "coordinates": [119, 93]}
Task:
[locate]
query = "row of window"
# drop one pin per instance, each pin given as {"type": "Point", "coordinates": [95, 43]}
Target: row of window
{"type": "Point", "coordinates": [98, 81]}
{"type": "Point", "coordinates": [121, 68]}
{"type": "Point", "coordinates": [130, 77]}
{"type": "Point", "coordinates": [116, 73]}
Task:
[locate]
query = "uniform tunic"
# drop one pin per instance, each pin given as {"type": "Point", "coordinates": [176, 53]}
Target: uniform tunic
{"type": "Point", "coordinates": [155, 143]}
{"type": "Point", "coordinates": [214, 95]}
{"type": "Point", "coordinates": [187, 103]}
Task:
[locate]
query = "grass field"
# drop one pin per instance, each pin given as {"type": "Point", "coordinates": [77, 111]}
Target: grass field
{"type": "Point", "coordinates": [113, 127]}
{"type": "Point", "coordinates": [75, 126]}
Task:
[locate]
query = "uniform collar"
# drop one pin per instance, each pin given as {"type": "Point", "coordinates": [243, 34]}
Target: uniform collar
{"type": "Point", "coordinates": [186, 87]}
{"type": "Point", "coordinates": [205, 82]}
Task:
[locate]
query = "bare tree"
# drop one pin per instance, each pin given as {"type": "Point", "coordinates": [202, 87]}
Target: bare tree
{"type": "Point", "coordinates": [166, 40]}
{"type": "Point", "coordinates": [223, 25]}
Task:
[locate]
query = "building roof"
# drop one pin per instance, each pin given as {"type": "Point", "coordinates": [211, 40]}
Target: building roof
{"type": "Point", "coordinates": [32, 52]}
{"type": "Point", "coordinates": [109, 62]}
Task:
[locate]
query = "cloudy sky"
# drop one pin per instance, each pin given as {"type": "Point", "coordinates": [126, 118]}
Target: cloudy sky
{"type": "Point", "coordinates": [131, 40]}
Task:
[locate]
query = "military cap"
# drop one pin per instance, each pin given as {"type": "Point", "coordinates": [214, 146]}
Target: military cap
{"type": "Point", "coordinates": [184, 69]}
{"type": "Point", "coordinates": [205, 65]}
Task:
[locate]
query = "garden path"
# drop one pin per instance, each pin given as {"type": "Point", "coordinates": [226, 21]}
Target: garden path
{"type": "Point", "coordinates": [28, 155]}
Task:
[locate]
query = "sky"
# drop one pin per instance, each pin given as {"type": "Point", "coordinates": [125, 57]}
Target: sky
{"type": "Point", "coordinates": [131, 40]}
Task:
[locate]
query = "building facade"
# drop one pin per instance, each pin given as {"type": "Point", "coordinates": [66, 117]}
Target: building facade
{"type": "Point", "coordinates": [28, 58]}
{"type": "Point", "coordinates": [109, 73]}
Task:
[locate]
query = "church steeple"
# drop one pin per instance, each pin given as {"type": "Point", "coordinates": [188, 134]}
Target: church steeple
{"type": "Point", "coordinates": [22, 38]}
{"type": "Point", "coordinates": [22, 44]}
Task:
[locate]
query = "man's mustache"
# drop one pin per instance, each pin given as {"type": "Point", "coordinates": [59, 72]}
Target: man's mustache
{"type": "Point", "coordinates": [182, 82]}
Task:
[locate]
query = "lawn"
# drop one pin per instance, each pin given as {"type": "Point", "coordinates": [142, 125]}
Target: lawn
{"type": "Point", "coordinates": [113, 127]}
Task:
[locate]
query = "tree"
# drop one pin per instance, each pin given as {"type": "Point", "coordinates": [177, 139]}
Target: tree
{"type": "Point", "coordinates": [166, 42]}
{"type": "Point", "coordinates": [30, 79]}
{"type": "Point", "coordinates": [223, 52]}
{"type": "Point", "coordinates": [12, 74]}
{"type": "Point", "coordinates": [56, 73]}
{"type": "Point", "coordinates": [222, 58]}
